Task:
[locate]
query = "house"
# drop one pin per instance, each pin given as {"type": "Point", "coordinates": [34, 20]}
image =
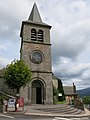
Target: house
{"type": "Point", "coordinates": [70, 92]}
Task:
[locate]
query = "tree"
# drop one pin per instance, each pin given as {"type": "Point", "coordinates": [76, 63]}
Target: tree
{"type": "Point", "coordinates": [60, 90]}
{"type": "Point", "coordinates": [86, 99]}
{"type": "Point", "coordinates": [17, 75]}
{"type": "Point", "coordinates": [55, 91]}
{"type": "Point", "coordinates": [55, 95]}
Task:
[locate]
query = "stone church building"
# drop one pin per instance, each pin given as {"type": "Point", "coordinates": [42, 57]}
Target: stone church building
{"type": "Point", "coordinates": [36, 52]}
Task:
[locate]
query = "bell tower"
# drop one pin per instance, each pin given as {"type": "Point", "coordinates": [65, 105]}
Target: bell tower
{"type": "Point", "coordinates": [36, 53]}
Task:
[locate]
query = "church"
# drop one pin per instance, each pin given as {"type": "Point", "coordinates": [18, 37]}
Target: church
{"type": "Point", "coordinates": [35, 51]}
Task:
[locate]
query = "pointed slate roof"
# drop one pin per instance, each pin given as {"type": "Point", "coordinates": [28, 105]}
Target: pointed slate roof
{"type": "Point", "coordinates": [35, 16]}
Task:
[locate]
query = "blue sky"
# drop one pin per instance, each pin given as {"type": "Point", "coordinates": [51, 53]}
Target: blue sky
{"type": "Point", "coordinates": [70, 35]}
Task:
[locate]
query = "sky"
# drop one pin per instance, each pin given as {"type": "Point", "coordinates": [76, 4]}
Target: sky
{"type": "Point", "coordinates": [70, 35]}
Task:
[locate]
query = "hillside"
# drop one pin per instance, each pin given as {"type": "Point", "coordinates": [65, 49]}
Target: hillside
{"type": "Point", "coordinates": [84, 92]}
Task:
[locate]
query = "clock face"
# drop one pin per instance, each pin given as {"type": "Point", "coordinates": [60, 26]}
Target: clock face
{"type": "Point", "coordinates": [36, 57]}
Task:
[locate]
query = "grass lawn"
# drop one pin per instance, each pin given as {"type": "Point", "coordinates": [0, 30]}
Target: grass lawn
{"type": "Point", "coordinates": [61, 102]}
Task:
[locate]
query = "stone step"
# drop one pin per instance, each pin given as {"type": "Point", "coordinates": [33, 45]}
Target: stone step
{"type": "Point", "coordinates": [79, 112]}
{"type": "Point", "coordinates": [57, 109]}
{"type": "Point", "coordinates": [75, 111]}
{"type": "Point", "coordinates": [62, 109]}
{"type": "Point", "coordinates": [54, 108]}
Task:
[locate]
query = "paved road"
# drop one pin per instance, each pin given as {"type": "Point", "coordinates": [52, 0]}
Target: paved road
{"type": "Point", "coordinates": [29, 117]}
{"type": "Point", "coordinates": [23, 117]}
{"type": "Point", "coordinates": [59, 118]}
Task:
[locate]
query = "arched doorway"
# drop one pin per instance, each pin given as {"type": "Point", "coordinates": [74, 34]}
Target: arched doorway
{"type": "Point", "coordinates": [37, 93]}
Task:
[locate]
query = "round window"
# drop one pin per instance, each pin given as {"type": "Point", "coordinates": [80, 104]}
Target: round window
{"type": "Point", "coordinates": [36, 57]}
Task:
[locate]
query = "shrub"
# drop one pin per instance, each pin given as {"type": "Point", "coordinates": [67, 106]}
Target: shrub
{"type": "Point", "coordinates": [86, 99]}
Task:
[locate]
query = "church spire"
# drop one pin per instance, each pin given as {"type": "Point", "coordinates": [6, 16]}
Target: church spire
{"type": "Point", "coordinates": [34, 18]}
{"type": "Point", "coordinates": [34, 15]}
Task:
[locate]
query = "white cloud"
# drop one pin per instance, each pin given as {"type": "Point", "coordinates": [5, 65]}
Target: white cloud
{"type": "Point", "coordinates": [2, 47]}
{"type": "Point", "coordinates": [70, 71]}
{"type": "Point", "coordinates": [70, 20]}
{"type": "Point", "coordinates": [4, 62]}
{"type": "Point", "coordinates": [78, 6]}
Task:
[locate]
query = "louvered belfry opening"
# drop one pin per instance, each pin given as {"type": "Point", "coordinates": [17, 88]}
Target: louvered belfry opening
{"type": "Point", "coordinates": [33, 34]}
{"type": "Point", "coordinates": [40, 35]}
{"type": "Point", "coordinates": [36, 35]}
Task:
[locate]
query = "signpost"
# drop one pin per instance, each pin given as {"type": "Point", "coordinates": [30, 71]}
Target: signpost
{"type": "Point", "coordinates": [20, 104]}
{"type": "Point", "coordinates": [15, 104]}
{"type": "Point", "coordinates": [11, 104]}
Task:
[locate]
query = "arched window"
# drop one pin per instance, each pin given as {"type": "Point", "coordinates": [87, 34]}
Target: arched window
{"type": "Point", "coordinates": [33, 34]}
{"type": "Point", "coordinates": [40, 35]}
